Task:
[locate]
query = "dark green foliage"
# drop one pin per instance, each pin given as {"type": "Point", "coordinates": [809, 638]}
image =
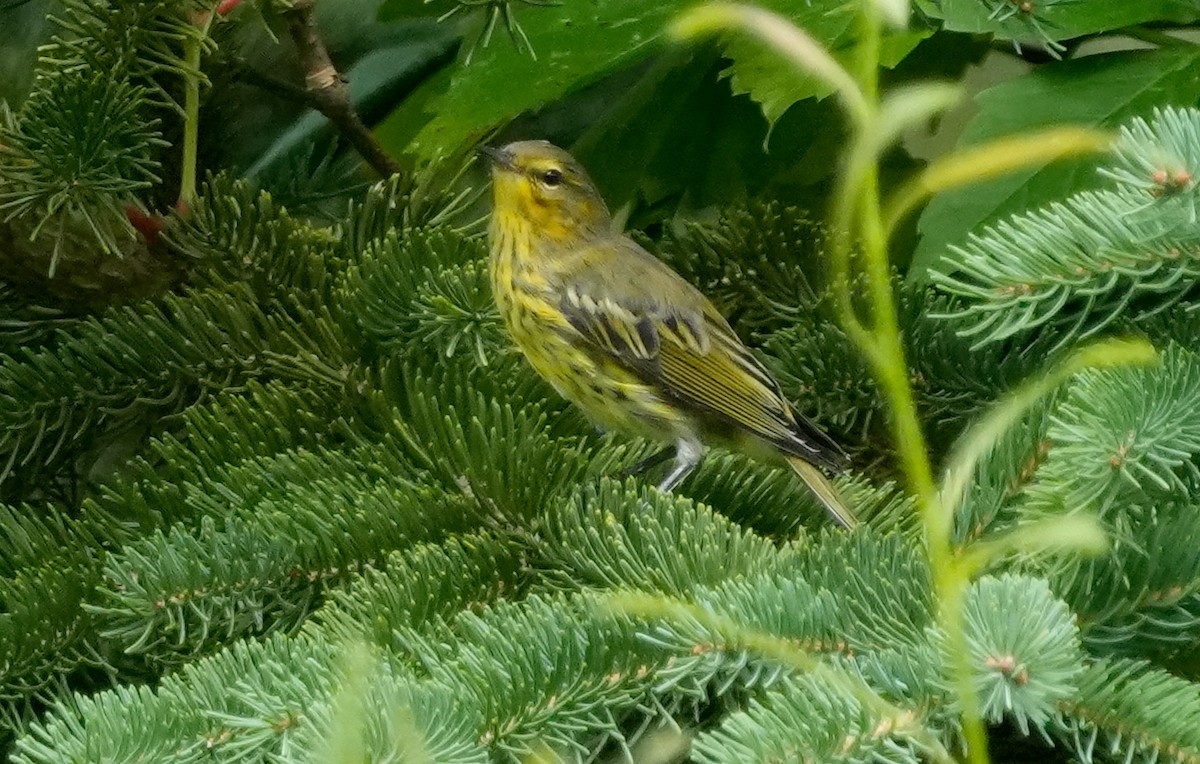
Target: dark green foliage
{"type": "Point", "coordinates": [822, 372]}
{"type": "Point", "coordinates": [174, 594]}
{"type": "Point", "coordinates": [566, 677]}
{"type": "Point", "coordinates": [423, 289]}
{"type": "Point", "coordinates": [82, 156]}
{"type": "Point", "coordinates": [1078, 265]}
{"type": "Point", "coordinates": [757, 264]}
{"type": "Point", "coordinates": [1024, 649]}
{"type": "Point", "coordinates": [152, 361]}
{"type": "Point", "coordinates": [1160, 714]}
{"type": "Point", "coordinates": [87, 167]}
{"type": "Point", "coordinates": [214, 438]}
{"type": "Point", "coordinates": [824, 378]}
{"type": "Point", "coordinates": [50, 562]}
{"type": "Point", "coordinates": [1116, 450]}
{"type": "Point", "coordinates": [278, 488]}
{"type": "Point", "coordinates": [1003, 476]}
{"type": "Point", "coordinates": [1144, 597]}
{"type": "Point", "coordinates": [33, 535]}
{"type": "Point", "coordinates": [611, 535]}
{"type": "Point", "coordinates": [880, 585]}
{"type": "Point", "coordinates": [127, 37]}
{"type": "Point", "coordinates": [417, 591]}
{"type": "Point", "coordinates": [772, 500]}
{"type": "Point", "coordinates": [240, 235]}
{"type": "Point", "coordinates": [42, 629]}
{"type": "Point", "coordinates": [26, 324]}
{"type": "Point", "coordinates": [955, 381]}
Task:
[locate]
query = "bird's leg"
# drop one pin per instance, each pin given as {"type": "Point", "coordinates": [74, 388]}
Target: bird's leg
{"type": "Point", "coordinates": [687, 455]}
{"type": "Point", "coordinates": [653, 460]}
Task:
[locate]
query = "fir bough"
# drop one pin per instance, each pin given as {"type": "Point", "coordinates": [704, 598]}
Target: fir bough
{"type": "Point", "coordinates": [1115, 254]}
{"type": "Point", "coordinates": [356, 526]}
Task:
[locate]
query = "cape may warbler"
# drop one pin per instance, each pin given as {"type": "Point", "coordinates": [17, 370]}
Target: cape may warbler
{"type": "Point", "coordinates": [624, 337]}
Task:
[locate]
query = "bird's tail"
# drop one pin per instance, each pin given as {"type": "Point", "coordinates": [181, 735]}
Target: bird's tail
{"type": "Point", "coordinates": [820, 485]}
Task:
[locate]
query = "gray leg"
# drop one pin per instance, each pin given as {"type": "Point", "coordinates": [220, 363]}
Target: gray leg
{"type": "Point", "coordinates": [687, 456]}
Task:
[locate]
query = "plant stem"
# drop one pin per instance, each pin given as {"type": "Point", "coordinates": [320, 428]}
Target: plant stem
{"type": "Point", "coordinates": [884, 348]}
{"type": "Point", "coordinates": [857, 219]}
{"type": "Point", "coordinates": [191, 117]}
{"type": "Point", "coordinates": [328, 92]}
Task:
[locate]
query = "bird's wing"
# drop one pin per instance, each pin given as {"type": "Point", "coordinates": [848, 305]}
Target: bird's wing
{"type": "Point", "coordinates": [628, 304]}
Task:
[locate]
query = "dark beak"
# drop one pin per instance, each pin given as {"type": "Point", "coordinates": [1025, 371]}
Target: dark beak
{"type": "Point", "coordinates": [498, 157]}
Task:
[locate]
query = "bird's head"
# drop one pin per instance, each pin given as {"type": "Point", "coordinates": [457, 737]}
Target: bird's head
{"type": "Point", "coordinates": [539, 184]}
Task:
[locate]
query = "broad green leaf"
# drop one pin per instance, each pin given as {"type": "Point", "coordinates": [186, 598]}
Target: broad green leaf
{"type": "Point", "coordinates": [23, 26]}
{"type": "Point", "coordinates": [391, 10]}
{"type": "Point", "coordinates": [1060, 19]}
{"type": "Point", "coordinates": [895, 12]}
{"type": "Point", "coordinates": [645, 149]}
{"type": "Point", "coordinates": [575, 44]}
{"type": "Point", "coordinates": [760, 72]}
{"type": "Point", "coordinates": [1096, 91]}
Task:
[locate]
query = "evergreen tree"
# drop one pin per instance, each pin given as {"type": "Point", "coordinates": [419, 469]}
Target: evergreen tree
{"type": "Point", "coordinates": [275, 487]}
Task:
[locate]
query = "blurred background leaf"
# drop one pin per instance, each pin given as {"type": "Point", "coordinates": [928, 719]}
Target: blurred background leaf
{"type": "Point", "coordinates": [1099, 91]}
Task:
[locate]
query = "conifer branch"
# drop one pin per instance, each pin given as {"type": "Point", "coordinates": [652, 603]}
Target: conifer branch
{"type": "Point", "coordinates": [1142, 598]}
{"type": "Point", "coordinates": [1130, 711]}
{"type": "Point", "coordinates": [177, 594]}
{"type": "Point", "coordinates": [1025, 654]}
{"type": "Point", "coordinates": [346, 460]}
{"type": "Point", "coordinates": [420, 589]}
{"type": "Point", "coordinates": [1117, 448]}
{"type": "Point", "coordinates": [49, 564]}
{"type": "Point", "coordinates": [1080, 265]}
{"type": "Point", "coordinates": [608, 536]}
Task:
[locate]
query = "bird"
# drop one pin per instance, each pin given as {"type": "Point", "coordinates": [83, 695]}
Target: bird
{"type": "Point", "coordinates": [624, 337]}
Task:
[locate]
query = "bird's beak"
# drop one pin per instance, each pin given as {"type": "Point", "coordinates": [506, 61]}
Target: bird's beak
{"type": "Point", "coordinates": [498, 157]}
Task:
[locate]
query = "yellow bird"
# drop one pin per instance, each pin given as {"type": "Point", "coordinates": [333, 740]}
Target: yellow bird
{"type": "Point", "coordinates": [624, 337]}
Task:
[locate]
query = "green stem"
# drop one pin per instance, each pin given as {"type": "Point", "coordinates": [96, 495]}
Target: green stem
{"type": "Point", "coordinates": [857, 220]}
{"type": "Point", "coordinates": [192, 47]}
{"type": "Point", "coordinates": [841, 249]}
{"type": "Point", "coordinates": [870, 41]}
{"type": "Point", "coordinates": [191, 126]}
{"type": "Point", "coordinates": [885, 350]}
{"type": "Point", "coordinates": [951, 587]}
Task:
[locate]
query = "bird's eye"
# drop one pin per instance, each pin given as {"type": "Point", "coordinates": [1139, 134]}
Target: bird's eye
{"type": "Point", "coordinates": [552, 177]}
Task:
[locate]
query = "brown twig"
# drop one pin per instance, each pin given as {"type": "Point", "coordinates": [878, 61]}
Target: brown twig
{"type": "Point", "coordinates": [327, 91]}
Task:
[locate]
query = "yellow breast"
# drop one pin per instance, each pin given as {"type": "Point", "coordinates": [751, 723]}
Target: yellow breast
{"type": "Point", "coordinates": [608, 394]}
